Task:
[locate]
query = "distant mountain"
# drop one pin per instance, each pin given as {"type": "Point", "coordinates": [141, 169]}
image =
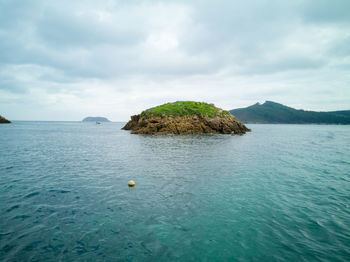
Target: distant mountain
{"type": "Point", "coordinates": [95, 119]}
{"type": "Point", "coordinates": [275, 113]}
{"type": "Point", "coordinates": [3, 120]}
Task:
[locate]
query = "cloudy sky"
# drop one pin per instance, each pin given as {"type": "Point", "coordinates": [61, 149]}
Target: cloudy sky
{"type": "Point", "coordinates": [64, 60]}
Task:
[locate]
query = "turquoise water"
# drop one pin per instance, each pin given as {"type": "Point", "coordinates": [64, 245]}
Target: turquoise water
{"type": "Point", "coordinates": [279, 193]}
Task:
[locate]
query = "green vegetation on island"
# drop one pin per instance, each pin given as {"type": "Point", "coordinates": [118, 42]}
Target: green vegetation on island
{"type": "Point", "coordinates": [275, 113]}
{"type": "Point", "coordinates": [95, 119]}
{"type": "Point", "coordinates": [185, 117]}
{"type": "Point", "coordinates": [3, 120]}
{"type": "Point", "coordinates": [184, 108]}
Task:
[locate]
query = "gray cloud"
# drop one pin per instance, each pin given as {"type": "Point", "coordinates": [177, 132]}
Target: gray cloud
{"type": "Point", "coordinates": [325, 11]}
{"type": "Point", "coordinates": [139, 53]}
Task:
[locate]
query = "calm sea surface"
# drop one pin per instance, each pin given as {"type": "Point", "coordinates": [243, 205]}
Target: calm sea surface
{"type": "Point", "coordinates": [279, 193]}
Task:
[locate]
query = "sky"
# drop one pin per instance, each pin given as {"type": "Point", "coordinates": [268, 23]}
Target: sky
{"type": "Point", "coordinates": [65, 60]}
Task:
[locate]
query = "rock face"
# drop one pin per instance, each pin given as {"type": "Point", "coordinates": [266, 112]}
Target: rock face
{"type": "Point", "coordinates": [195, 123]}
{"type": "Point", "coordinates": [3, 120]}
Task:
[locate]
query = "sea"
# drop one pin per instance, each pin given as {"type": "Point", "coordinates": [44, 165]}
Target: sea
{"type": "Point", "coordinates": [278, 193]}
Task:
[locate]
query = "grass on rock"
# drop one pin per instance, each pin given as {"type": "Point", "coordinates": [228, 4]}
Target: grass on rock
{"type": "Point", "coordinates": [184, 108]}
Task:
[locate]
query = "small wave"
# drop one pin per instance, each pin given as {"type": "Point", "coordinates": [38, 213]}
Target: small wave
{"type": "Point", "coordinates": [21, 217]}
{"type": "Point", "coordinates": [59, 191]}
{"type": "Point", "coordinates": [12, 208]}
{"type": "Point", "coordinates": [5, 234]}
{"type": "Point", "coordinates": [32, 194]}
{"type": "Point", "coordinates": [32, 246]}
{"type": "Point", "coordinates": [7, 248]}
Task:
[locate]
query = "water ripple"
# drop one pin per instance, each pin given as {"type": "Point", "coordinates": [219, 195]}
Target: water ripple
{"type": "Point", "coordinates": [280, 193]}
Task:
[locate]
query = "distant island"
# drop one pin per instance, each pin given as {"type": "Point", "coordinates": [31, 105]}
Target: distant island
{"type": "Point", "coordinates": [3, 120]}
{"type": "Point", "coordinates": [275, 113]}
{"type": "Point", "coordinates": [185, 117]}
{"type": "Point", "coordinates": [95, 119]}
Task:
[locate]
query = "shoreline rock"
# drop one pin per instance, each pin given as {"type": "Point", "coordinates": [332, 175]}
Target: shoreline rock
{"type": "Point", "coordinates": [3, 120]}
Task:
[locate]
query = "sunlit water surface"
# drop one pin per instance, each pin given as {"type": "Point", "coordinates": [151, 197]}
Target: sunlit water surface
{"type": "Point", "coordinates": [279, 193]}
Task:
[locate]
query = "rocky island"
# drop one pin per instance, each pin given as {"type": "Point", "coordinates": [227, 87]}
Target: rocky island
{"type": "Point", "coordinates": [185, 117]}
{"type": "Point", "coordinates": [3, 120]}
{"type": "Point", "coordinates": [95, 119]}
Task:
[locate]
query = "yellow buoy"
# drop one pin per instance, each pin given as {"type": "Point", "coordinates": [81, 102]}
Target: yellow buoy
{"type": "Point", "coordinates": [131, 183]}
